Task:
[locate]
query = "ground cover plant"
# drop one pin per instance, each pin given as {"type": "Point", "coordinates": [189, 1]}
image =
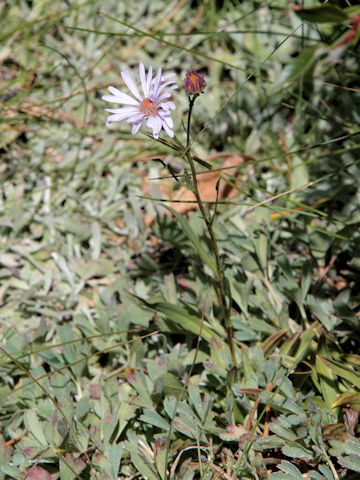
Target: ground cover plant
{"type": "Point", "coordinates": [179, 289]}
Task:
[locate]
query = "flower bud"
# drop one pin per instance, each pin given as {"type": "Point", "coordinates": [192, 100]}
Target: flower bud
{"type": "Point", "coordinates": [194, 82]}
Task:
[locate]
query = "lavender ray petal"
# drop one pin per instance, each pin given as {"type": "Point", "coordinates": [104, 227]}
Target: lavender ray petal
{"type": "Point", "coordinates": [121, 97]}
{"type": "Point", "coordinates": [143, 79]}
{"type": "Point", "coordinates": [126, 76]}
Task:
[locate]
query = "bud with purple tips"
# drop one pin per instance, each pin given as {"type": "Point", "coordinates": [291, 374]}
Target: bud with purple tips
{"type": "Point", "coordinates": [194, 83]}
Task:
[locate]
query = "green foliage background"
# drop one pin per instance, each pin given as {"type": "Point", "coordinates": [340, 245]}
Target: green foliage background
{"type": "Point", "coordinates": [113, 360]}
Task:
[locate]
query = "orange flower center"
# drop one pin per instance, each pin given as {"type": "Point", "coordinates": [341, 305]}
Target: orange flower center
{"type": "Point", "coordinates": [149, 108]}
{"type": "Point", "coordinates": [195, 81]}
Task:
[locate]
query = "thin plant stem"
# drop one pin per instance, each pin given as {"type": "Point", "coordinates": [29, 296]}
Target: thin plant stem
{"type": "Point", "coordinates": [191, 104]}
{"type": "Point", "coordinates": [220, 280]}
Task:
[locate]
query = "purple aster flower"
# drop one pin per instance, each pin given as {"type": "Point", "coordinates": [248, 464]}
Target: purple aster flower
{"type": "Point", "coordinates": [154, 105]}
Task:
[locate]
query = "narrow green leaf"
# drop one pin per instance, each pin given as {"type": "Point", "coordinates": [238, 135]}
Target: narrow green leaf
{"type": "Point", "coordinates": [282, 432]}
{"type": "Point", "coordinates": [189, 475]}
{"type": "Point", "coordinates": [280, 476]}
{"type": "Point", "coordinates": [196, 400]}
{"type": "Point", "coordinates": [289, 344]}
{"type": "Point", "coordinates": [291, 469]}
{"type": "Point", "coordinates": [126, 412]}
{"type": "Point", "coordinates": [327, 379]}
{"type": "Point", "coordinates": [183, 317]}
{"type": "Point", "coordinates": [261, 247]}
{"type": "Point", "coordinates": [185, 426]}
{"type": "Point", "coordinates": [171, 384]}
{"type": "Point", "coordinates": [315, 475]}
{"type": "Point", "coordinates": [347, 315]}
{"type": "Point", "coordinates": [269, 442]}
{"type": "Point", "coordinates": [271, 342]}
{"type": "Point", "coordinates": [320, 14]}
{"type": "Point", "coordinates": [352, 11]}
{"type": "Point", "coordinates": [217, 355]}
{"type": "Point", "coordinates": [13, 472]}
{"type": "Point", "coordinates": [352, 359]}
{"type": "Point", "coordinates": [347, 399]}
{"type": "Point", "coordinates": [352, 446]}
{"type": "Point", "coordinates": [281, 402]}
{"type": "Point", "coordinates": [145, 470]}
{"type": "Point", "coordinates": [297, 67]}
{"type": "Point", "coordinates": [351, 462]}
{"type": "Point", "coordinates": [286, 269]}
{"type": "Point", "coordinates": [115, 453]}
{"type": "Point", "coordinates": [205, 256]}
{"type": "Point", "coordinates": [326, 471]}
{"type": "Point", "coordinates": [306, 278]}
{"type": "Point", "coordinates": [304, 345]}
{"type": "Point", "coordinates": [153, 418]}
{"type": "Point", "coordinates": [34, 426]}
{"type": "Point", "coordinates": [138, 381]}
{"type": "Point", "coordinates": [161, 456]}
{"type": "Point", "coordinates": [341, 371]}
{"type": "Point", "coordinates": [295, 450]}
{"type": "Point", "coordinates": [324, 311]}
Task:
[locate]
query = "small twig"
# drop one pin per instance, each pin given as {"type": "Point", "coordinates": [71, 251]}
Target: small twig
{"type": "Point", "coordinates": [267, 413]}
{"type": "Point", "coordinates": [14, 440]}
{"type": "Point", "coordinates": [175, 464]}
{"type": "Point", "coordinates": [342, 87]}
{"type": "Point", "coordinates": [221, 471]}
{"type": "Point", "coordinates": [249, 423]}
{"type": "Point", "coordinates": [323, 273]}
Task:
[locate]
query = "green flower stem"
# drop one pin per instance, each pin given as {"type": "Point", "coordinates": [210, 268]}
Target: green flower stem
{"type": "Point", "coordinates": [215, 248]}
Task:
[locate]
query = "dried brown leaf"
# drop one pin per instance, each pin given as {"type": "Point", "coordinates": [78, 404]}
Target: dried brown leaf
{"type": "Point", "coordinates": [207, 184]}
